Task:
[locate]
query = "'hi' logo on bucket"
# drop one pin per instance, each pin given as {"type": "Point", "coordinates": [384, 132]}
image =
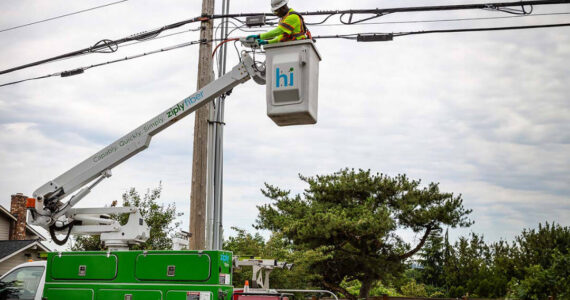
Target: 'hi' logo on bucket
{"type": "Point", "coordinates": [281, 77]}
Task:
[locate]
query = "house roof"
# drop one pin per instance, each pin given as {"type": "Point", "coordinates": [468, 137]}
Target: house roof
{"type": "Point", "coordinates": [11, 248]}
{"type": "Point", "coordinates": [6, 212]}
{"type": "Point", "coordinates": [40, 236]}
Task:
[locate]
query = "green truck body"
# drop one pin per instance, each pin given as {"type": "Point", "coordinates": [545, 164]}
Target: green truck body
{"type": "Point", "coordinates": [139, 275]}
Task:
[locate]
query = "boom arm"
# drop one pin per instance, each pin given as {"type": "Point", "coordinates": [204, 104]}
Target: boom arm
{"type": "Point", "coordinates": [49, 208]}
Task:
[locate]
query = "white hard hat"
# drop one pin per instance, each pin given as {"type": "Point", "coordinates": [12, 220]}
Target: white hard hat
{"type": "Point", "coordinates": [277, 4]}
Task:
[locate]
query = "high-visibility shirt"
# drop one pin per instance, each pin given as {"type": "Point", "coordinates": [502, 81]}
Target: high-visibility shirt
{"type": "Point", "coordinates": [290, 28]}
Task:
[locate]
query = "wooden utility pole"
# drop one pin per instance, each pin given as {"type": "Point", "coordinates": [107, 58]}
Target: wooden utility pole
{"type": "Point", "coordinates": [200, 159]}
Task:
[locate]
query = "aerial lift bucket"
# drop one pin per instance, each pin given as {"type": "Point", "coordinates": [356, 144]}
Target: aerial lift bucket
{"type": "Point", "coordinates": [292, 70]}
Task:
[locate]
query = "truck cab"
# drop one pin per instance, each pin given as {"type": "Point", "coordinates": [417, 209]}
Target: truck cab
{"type": "Point", "coordinates": [25, 282]}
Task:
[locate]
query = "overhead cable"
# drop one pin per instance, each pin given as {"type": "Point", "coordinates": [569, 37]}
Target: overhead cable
{"type": "Point", "coordinates": [319, 24]}
{"type": "Point", "coordinates": [81, 70]}
{"type": "Point", "coordinates": [497, 6]}
{"type": "Point", "coordinates": [148, 40]}
{"type": "Point", "coordinates": [162, 37]}
{"type": "Point", "coordinates": [386, 36]}
{"type": "Point", "coordinates": [106, 45]}
{"type": "Point", "coordinates": [63, 16]}
{"type": "Point", "coordinates": [113, 44]}
{"type": "Point", "coordinates": [482, 29]}
{"type": "Point", "coordinates": [447, 20]}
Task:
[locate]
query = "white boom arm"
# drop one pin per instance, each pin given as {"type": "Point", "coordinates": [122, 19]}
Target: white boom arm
{"type": "Point", "coordinates": [54, 215]}
{"type": "Point", "coordinates": [262, 268]}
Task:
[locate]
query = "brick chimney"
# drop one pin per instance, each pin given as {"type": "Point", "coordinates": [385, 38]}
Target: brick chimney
{"type": "Point", "coordinates": [18, 209]}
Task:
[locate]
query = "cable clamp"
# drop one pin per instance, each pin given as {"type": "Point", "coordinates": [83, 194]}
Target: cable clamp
{"type": "Point", "coordinates": [217, 122]}
{"type": "Point", "coordinates": [100, 46]}
{"type": "Point", "coordinates": [72, 72]}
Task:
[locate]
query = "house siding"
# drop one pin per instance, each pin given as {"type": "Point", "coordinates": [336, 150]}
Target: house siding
{"type": "Point", "coordinates": [18, 259]}
{"type": "Point", "coordinates": [4, 228]}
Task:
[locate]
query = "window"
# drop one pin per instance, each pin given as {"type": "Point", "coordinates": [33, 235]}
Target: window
{"type": "Point", "coordinates": [21, 283]}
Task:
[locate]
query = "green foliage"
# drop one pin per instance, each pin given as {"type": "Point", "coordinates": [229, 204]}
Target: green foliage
{"type": "Point", "coordinates": [483, 288]}
{"type": "Point", "coordinates": [539, 283]}
{"type": "Point", "coordinates": [541, 263]}
{"type": "Point", "coordinates": [437, 294]}
{"type": "Point", "coordinates": [457, 291]}
{"type": "Point", "coordinates": [502, 267]}
{"type": "Point", "coordinates": [535, 266]}
{"type": "Point", "coordinates": [353, 287]}
{"type": "Point", "coordinates": [479, 269]}
{"type": "Point", "coordinates": [348, 220]}
{"type": "Point", "coordinates": [537, 246]}
{"type": "Point", "coordinates": [86, 243]}
{"type": "Point", "coordinates": [413, 289]}
{"type": "Point", "coordinates": [245, 244]}
{"type": "Point", "coordinates": [431, 257]}
{"type": "Point", "coordinates": [377, 290]}
{"type": "Point", "coordinates": [159, 218]}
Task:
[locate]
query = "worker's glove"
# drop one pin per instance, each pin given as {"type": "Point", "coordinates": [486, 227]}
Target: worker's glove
{"type": "Point", "coordinates": [253, 37]}
{"type": "Point", "coordinates": [261, 42]}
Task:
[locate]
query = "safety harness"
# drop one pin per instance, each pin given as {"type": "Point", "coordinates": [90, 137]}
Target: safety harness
{"type": "Point", "coordinates": [304, 33]}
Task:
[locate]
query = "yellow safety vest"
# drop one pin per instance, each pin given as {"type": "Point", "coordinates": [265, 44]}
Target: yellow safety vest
{"type": "Point", "coordinates": [294, 26]}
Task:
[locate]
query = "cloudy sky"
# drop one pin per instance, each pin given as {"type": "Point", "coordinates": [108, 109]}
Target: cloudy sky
{"type": "Point", "coordinates": [487, 115]}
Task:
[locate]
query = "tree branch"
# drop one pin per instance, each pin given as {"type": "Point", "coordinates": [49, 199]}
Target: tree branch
{"type": "Point", "coordinates": [419, 246]}
{"type": "Point", "coordinates": [338, 289]}
{"type": "Point", "coordinates": [341, 248]}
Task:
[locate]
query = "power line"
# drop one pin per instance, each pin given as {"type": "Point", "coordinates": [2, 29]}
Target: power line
{"type": "Point", "coordinates": [142, 41]}
{"type": "Point", "coordinates": [106, 46]}
{"type": "Point", "coordinates": [483, 29]}
{"type": "Point", "coordinates": [162, 37]}
{"type": "Point", "coordinates": [112, 45]}
{"type": "Point", "coordinates": [29, 79]}
{"type": "Point", "coordinates": [62, 16]}
{"type": "Point", "coordinates": [81, 70]}
{"type": "Point", "coordinates": [362, 37]}
{"type": "Point", "coordinates": [369, 37]}
{"type": "Point", "coordinates": [446, 20]}
{"type": "Point", "coordinates": [236, 27]}
{"type": "Point", "coordinates": [498, 6]}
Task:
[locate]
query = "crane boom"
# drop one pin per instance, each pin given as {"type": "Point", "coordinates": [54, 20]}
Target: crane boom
{"type": "Point", "coordinates": [48, 208]}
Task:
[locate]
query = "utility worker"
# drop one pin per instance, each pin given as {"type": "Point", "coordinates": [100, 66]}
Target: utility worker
{"type": "Point", "coordinates": [291, 26]}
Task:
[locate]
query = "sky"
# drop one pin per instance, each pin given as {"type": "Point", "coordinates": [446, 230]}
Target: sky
{"type": "Point", "coordinates": [486, 115]}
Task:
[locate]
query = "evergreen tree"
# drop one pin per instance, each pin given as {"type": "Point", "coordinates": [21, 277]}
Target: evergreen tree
{"type": "Point", "coordinates": [541, 259]}
{"type": "Point", "coordinates": [346, 223]}
{"type": "Point", "coordinates": [432, 258]}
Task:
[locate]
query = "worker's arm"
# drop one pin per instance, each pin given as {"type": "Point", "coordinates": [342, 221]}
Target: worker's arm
{"type": "Point", "coordinates": [270, 37]}
{"type": "Point", "coordinates": [273, 36]}
{"type": "Point", "coordinates": [286, 26]}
